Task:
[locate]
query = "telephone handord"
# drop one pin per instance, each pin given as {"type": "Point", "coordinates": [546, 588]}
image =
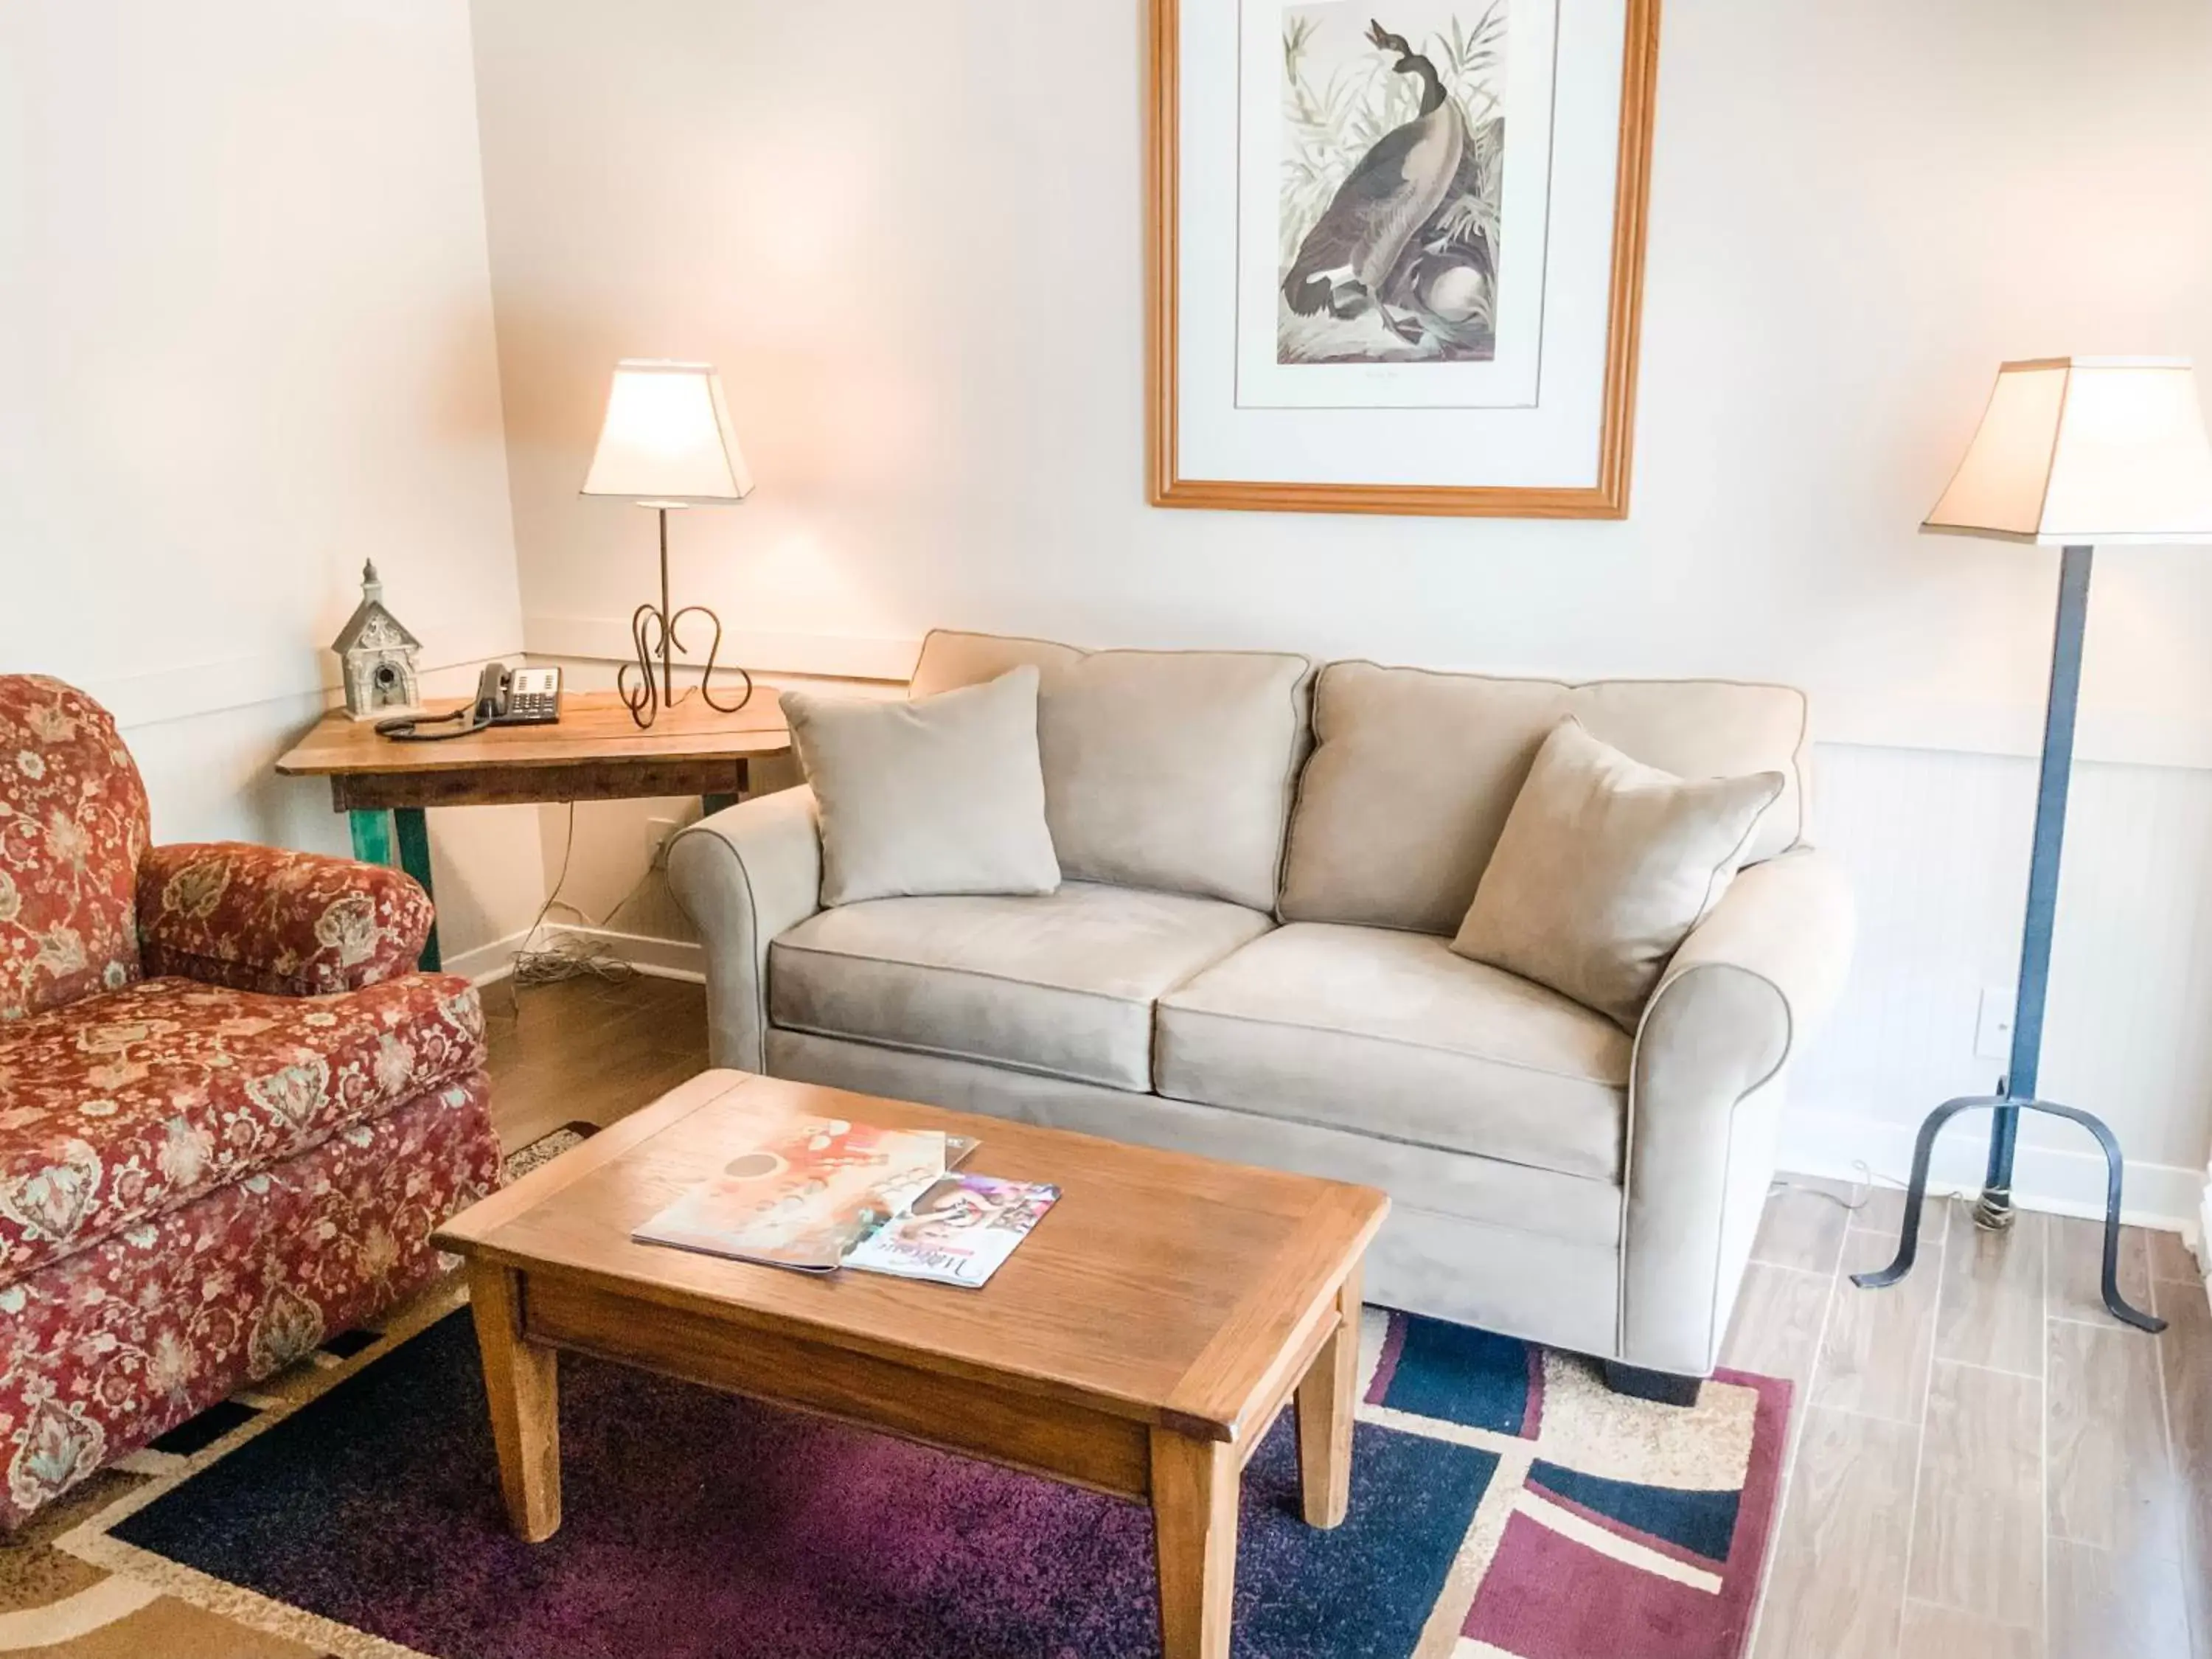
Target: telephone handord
{"type": "Point", "coordinates": [505, 696]}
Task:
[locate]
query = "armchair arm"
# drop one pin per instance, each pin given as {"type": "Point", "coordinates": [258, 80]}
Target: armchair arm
{"type": "Point", "coordinates": [265, 919]}
{"type": "Point", "coordinates": [743, 876]}
{"type": "Point", "coordinates": [1743, 994]}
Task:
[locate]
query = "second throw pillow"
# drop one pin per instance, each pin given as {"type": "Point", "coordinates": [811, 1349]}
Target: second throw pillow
{"type": "Point", "coordinates": [1604, 866]}
{"type": "Point", "coordinates": [943, 795]}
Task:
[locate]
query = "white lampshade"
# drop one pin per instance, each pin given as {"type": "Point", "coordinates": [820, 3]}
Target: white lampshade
{"type": "Point", "coordinates": [666, 440]}
{"type": "Point", "coordinates": [2089, 450]}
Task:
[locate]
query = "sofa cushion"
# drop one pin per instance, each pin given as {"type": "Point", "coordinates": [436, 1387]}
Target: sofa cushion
{"type": "Point", "coordinates": [1414, 773]}
{"type": "Point", "coordinates": [1170, 770]}
{"type": "Point", "coordinates": [72, 828]}
{"type": "Point", "coordinates": [1062, 984]}
{"type": "Point", "coordinates": [120, 1106]}
{"type": "Point", "coordinates": [941, 794]}
{"type": "Point", "coordinates": [1390, 1034]}
{"type": "Point", "coordinates": [1605, 866]}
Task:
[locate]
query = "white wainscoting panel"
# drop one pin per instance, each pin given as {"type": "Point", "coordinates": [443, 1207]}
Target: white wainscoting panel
{"type": "Point", "coordinates": [1937, 846]}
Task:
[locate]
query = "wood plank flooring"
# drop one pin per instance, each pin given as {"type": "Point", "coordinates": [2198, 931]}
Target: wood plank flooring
{"type": "Point", "coordinates": [583, 1050]}
{"type": "Point", "coordinates": [1984, 1465]}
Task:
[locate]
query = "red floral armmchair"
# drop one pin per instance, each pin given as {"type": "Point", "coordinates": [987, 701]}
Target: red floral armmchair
{"type": "Point", "coordinates": [230, 1111]}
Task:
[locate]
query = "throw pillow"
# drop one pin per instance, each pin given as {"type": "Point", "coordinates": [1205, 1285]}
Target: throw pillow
{"type": "Point", "coordinates": [943, 794]}
{"type": "Point", "coordinates": [1604, 866]}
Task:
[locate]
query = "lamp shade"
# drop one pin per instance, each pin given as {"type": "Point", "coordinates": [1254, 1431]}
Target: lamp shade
{"type": "Point", "coordinates": [667, 439]}
{"type": "Point", "coordinates": [2086, 450]}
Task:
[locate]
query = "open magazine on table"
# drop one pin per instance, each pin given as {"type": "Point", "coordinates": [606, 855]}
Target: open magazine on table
{"type": "Point", "coordinates": [816, 1191]}
{"type": "Point", "coordinates": [956, 1232]}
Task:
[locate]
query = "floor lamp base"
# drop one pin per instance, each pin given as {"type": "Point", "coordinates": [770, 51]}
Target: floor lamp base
{"type": "Point", "coordinates": [1993, 1211]}
{"type": "Point", "coordinates": [1998, 1200]}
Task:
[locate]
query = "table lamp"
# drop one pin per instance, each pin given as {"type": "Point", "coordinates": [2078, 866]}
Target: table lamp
{"type": "Point", "coordinates": [667, 444]}
{"type": "Point", "coordinates": [2071, 451]}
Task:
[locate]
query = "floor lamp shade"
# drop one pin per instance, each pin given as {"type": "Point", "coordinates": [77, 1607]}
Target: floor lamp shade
{"type": "Point", "coordinates": [2076, 451]}
{"type": "Point", "coordinates": [2086, 450]}
{"type": "Point", "coordinates": [667, 439]}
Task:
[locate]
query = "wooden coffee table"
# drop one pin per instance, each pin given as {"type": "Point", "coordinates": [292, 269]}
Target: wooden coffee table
{"type": "Point", "coordinates": [1139, 1342]}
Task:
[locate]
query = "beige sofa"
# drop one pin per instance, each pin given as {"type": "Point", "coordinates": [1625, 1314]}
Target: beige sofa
{"type": "Point", "coordinates": [1247, 957]}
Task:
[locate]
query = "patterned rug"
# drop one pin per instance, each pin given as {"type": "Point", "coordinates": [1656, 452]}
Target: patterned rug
{"type": "Point", "coordinates": [547, 1147]}
{"type": "Point", "coordinates": [1504, 1503]}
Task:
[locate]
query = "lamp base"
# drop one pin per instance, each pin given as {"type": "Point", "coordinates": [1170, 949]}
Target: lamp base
{"type": "Point", "coordinates": [653, 634]}
{"type": "Point", "coordinates": [1916, 1195]}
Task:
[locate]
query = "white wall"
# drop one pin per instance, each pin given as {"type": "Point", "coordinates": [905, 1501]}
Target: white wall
{"type": "Point", "coordinates": [245, 343]}
{"type": "Point", "coordinates": [911, 237]}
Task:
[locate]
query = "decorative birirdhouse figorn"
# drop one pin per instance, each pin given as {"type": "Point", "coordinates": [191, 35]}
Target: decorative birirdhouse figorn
{"type": "Point", "coordinates": [378, 656]}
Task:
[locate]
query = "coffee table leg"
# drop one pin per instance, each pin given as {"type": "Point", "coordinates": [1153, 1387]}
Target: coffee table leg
{"type": "Point", "coordinates": [1194, 1519]}
{"type": "Point", "coordinates": [1325, 1403]}
{"type": "Point", "coordinates": [522, 1382]}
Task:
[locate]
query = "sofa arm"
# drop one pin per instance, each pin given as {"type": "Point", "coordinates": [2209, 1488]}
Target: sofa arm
{"type": "Point", "coordinates": [743, 876]}
{"type": "Point", "coordinates": [1743, 994]}
{"type": "Point", "coordinates": [265, 919]}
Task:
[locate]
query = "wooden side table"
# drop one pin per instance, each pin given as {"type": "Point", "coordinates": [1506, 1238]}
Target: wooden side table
{"type": "Point", "coordinates": [595, 752]}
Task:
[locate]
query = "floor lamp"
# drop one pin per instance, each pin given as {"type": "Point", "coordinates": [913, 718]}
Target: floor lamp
{"type": "Point", "coordinates": [2072, 451]}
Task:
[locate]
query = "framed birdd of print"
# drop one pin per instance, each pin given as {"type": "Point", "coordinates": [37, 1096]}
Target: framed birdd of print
{"type": "Point", "coordinates": [1397, 253]}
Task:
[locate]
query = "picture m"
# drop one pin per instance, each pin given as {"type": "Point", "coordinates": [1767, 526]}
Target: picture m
{"type": "Point", "coordinates": [1393, 156]}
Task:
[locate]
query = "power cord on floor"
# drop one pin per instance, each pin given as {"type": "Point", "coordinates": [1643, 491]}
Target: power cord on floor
{"type": "Point", "coordinates": [568, 956]}
{"type": "Point", "coordinates": [1862, 1189]}
{"type": "Point", "coordinates": [573, 957]}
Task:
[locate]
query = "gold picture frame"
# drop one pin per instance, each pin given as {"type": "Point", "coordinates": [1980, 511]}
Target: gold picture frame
{"type": "Point", "coordinates": [1607, 498]}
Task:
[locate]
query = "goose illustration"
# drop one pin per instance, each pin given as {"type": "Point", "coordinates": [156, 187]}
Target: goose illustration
{"type": "Point", "coordinates": [1368, 247]}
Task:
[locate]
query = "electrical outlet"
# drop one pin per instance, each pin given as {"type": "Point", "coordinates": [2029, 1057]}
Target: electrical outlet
{"type": "Point", "coordinates": [1993, 1026]}
{"type": "Point", "coordinates": [658, 833]}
